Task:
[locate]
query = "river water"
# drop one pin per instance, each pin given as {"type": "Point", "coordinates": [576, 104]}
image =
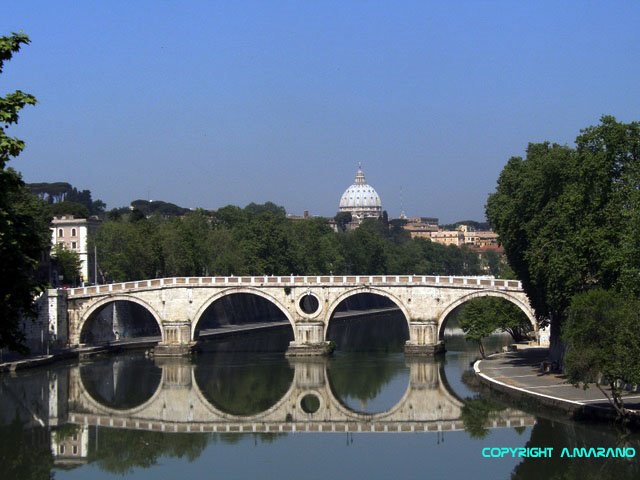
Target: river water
{"type": "Point", "coordinates": [373, 415]}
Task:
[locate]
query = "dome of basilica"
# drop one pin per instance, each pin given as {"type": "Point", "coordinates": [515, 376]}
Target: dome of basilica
{"type": "Point", "coordinates": [361, 199]}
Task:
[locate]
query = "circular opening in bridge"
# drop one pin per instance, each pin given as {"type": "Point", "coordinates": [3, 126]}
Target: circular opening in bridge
{"type": "Point", "coordinates": [122, 322]}
{"type": "Point", "coordinates": [243, 385]}
{"type": "Point", "coordinates": [310, 403]}
{"type": "Point", "coordinates": [122, 382]}
{"type": "Point", "coordinates": [368, 322]}
{"type": "Point", "coordinates": [309, 304]}
{"type": "Point", "coordinates": [243, 322]}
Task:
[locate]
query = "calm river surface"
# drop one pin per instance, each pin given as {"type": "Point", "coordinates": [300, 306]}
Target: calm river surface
{"type": "Point", "coordinates": [261, 416]}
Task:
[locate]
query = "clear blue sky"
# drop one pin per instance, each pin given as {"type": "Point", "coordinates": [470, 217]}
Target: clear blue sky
{"type": "Point", "coordinates": [212, 103]}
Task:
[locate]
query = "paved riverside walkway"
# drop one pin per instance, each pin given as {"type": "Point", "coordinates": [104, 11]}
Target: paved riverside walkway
{"type": "Point", "coordinates": [517, 374]}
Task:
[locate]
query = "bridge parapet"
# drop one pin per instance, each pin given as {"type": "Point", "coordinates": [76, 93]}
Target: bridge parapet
{"type": "Point", "coordinates": [290, 281]}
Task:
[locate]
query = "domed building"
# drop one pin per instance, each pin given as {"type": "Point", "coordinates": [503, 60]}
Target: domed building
{"type": "Point", "coordinates": [361, 200]}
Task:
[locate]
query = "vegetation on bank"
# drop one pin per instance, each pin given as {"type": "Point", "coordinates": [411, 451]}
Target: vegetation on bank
{"type": "Point", "coordinates": [24, 223]}
{"type": "Point", "coordinates": [568, 219]}
{"type": "Point", "coordinates": [261, 240]}
{"type": "Point", "coordinates": [480, 317]}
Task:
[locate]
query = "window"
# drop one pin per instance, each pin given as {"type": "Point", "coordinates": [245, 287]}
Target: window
{"type": "Point", "coordinates": [74, 245]}
{"type": "Point", "coordinates": [75, 449]}
{"type": "Point", "coordinates": [62, 449]}
{"type": "Point", "coordinates": [60, 232]}
{"type": "Point", "coordinates": [73, 232]}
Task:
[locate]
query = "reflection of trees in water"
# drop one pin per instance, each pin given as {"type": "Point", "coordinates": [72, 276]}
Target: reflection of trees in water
{"type": "Point", "coordinates": [25, 454]}
{"type": "Point", "coordinates": [561, 434]}
{"type": "Point", "coordinates": [120, 451]}
{"type": "Point", "coordinates": [121, 382]}
{"type": "Point", "coordinates": [363, 376]}
{"type": "Point", "coordinates": [237, 387]}
{"type": "Point", "coordinates": [476, 414]}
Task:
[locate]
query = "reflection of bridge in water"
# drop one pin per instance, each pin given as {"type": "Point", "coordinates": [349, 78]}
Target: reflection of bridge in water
{"type": "Point", "coordinates": [178, 403]}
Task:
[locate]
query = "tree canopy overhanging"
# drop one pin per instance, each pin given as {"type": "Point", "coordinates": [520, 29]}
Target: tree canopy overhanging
{"type": "Point", "coordinates": [24, 224]}
{"type": "Point", "coordinates": [568, 218]}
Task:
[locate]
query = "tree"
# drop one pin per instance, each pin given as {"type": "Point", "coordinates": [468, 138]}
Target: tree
{"type": "Point", "coordinates": [24, 231]}
{"type": "Point", "coordinates": [603, 347]}
{"type": "Point", "coordinates": [67, 263]}
{"type": "Point", "coordinates": [476, 323]}
{"type": "Point", "coordinates": [480, 317]}
{"type": "Point", "coordinates": [342, 220]}
{"type": "Point", "coordinates": [568, 218]}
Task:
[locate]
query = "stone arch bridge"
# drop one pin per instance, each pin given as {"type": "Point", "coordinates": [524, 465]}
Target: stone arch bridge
{"type": "Point", "coordinates": [308, 302]}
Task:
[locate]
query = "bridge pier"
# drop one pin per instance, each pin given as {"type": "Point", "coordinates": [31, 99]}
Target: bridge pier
{"type": "Point", "coordinates": [423, 339]}
{"type": "Point", "coordinates": [309, 340]}
{"type": "Point", "coordinates": [176, 340]}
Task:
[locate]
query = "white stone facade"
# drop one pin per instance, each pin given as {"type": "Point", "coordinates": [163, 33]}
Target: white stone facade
{"type": "Point", "coordinates": [73, 234]}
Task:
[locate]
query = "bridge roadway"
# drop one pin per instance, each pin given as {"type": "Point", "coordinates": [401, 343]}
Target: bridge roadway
{"type": "Point", "coordinates": [179, 404]}
{"type": "Point", "coordinates": [178, 304]}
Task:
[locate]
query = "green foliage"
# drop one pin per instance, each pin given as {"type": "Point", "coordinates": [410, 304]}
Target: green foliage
{"type": "Point", "coordinates": [480, 317]}
{"type": "Point", "coordinates": [65, 199]}
{"type": "Point", "coordinates": [476, 414]}
{"type": "Point", "coordinates": [23, 454]}
{"type": "Point", "coordinates": [260, 240]}
{"type": "Point", "coordinates": [568, 218]}
{"type": "Point", "coordinates": [158, 207]}
{"type": "Point", "coordinates": [68, 208]}
{"type": "Point", "coordinates": [603, 346]}
{"type": "Point", "coordinates": [342, 220]}
{"type": "Point", "coordinates": [24, 229]}
{"type": "Point", "coordinates": [120, 451]}
{"type": "Point", "coordinates": [67, 263]}
{"type": "Point", "coordinates": [372, 376]}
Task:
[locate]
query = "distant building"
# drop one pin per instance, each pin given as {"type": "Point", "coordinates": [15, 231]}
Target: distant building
{"type": "Point", "coordinates": [421, 227]}
{"type": "Point", "coordinates": [487, 239]}
{"type": "Point", "coordinates": [73, 234]}
{"type": "Point", "coordinates": [448, 237]}
{"type": "Point", "coordinates": [361, 200]}
{"type": "Point", "coordinates": [305, 216]}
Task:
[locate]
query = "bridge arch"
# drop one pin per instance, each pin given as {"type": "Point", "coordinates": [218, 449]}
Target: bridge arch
{"type": "Point", "coordinates": [95, 307]}
{"type": "Point", "coordinates": [526, 309]}
{"type": "Point", "coordinates": [234, 291]}
{"type": "Point", "coordinates": [360, 290]}
{"type": "Point", "coordinates": [95, 403]}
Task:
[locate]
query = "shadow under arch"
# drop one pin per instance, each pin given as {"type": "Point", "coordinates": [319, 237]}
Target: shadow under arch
{"type": "Point", "coordinates": [330, 316]}
{"type": "Point", "coordinates": [95, 310]}
{"type": "Point", "coordinates": [442, 320]}
{"type": "Point", "coordinates": [124, 390]}
{"type": "Point", "coordinates": [200, 314]}
{"type": "Point", "coordinates": [232, 389]}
